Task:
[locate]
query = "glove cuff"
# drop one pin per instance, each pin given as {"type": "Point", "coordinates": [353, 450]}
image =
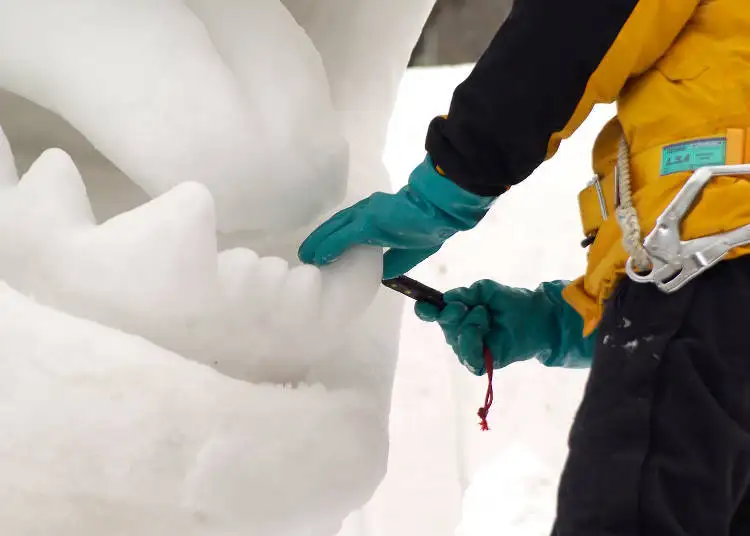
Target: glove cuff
{"type": "Point", "coordinates": [464, 208]}
{"type": "Point", "coordinates": [571, 349]}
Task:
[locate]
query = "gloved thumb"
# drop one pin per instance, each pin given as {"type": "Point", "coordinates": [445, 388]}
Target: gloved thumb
{"type": "Point", "coordinates": [397, 262]}
{"type": "Point", "coordinates": [470, 350]}
{"type": "Point", "coordinates": [469, 344]}
{"type": "Point", "coordinates": [426, 311]}
{"type": "Point", "coordinates": [452, 313]}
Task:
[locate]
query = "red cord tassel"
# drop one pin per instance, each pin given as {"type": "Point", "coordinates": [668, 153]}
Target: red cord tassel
{"type": "Point", "coordinates": [489, 365]}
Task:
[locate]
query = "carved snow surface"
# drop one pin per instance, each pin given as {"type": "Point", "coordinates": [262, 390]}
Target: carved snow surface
{"type": "Point", "coordinates": [104, 430]}
{"type": "Point", "coordinates": [168, 367]}
{"type": "Point", "coordinates": [231, 94]}
{"type": "Point", "coordinates": [155, 271]}
{"type": "Point", "coordinates": [107, 434]}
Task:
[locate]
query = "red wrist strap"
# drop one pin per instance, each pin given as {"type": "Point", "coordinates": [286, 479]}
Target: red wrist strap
{"type": "Point", "coordinates": [489, 364]}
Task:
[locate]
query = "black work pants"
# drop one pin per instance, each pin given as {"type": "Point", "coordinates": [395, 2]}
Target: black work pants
{"type": "Point", "coordinates": [660, 445]}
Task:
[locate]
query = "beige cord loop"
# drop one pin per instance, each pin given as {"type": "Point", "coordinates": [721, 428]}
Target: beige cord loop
{"type": "Point", "coordinates": [627, 217]}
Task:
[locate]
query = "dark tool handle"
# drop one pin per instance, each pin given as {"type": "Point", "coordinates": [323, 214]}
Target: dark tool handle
{"type": "Point", "coordinates": [416, 290]}
{"type": "Point", "coordinates": [419, 292]}
{"type": "Point", "coordinates": [422, 293]}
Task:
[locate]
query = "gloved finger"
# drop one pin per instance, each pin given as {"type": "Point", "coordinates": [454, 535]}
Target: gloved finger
{"type": "Point", "coordinates": [448, 318]}
{"type": "Point", "coordinates": [453, 314]}
{"type": "Point", "coordinates": [353, 233]}
{"type": "Point", "coordinates": [308, 250]}
{"type": "Point", "coordinates": [476, 323]}
{"type": "Point", "coordinates": [463, 295]}
{"type": "Point", "coordinates": [426, 311]}
{"type": "Point", "coordinates": [478, 317]}
{"type": "Point", "coordinates": [453, 321]}
{"type": "Point", "coordinates": [485, 292]}
{"type": "Point", "coordinates": [501, 342]}
{"type": "Point", "coordinates": [397, 262]}
{"type": "Point", "coordinates": [470, 349]}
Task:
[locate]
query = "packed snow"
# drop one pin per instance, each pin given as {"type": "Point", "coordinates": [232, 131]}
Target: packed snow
{"type": "Point", "coordinates": [107, 434]}
{"type": "Point", "coordinates": [229, 94]}
{"type": "Point", "coordinates": [171, 368]}
{"type": "Point", "coordinates": [155, 271]}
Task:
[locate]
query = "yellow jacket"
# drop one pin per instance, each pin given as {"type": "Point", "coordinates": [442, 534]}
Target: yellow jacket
{"type": "Point", "coordinates": [678, 70]}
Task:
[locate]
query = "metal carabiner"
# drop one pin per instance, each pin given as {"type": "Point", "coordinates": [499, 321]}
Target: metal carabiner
{"type": "Point", "coordinates": [676, 262]}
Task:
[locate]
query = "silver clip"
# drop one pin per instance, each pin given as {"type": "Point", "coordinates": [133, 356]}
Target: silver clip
{"type": "Point", "coordinates": [676, 262]}
{"type": "Point", "coordinates": [597, 184]}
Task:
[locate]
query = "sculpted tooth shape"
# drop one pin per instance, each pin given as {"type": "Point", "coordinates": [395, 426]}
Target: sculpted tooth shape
{"type": "Point", "coordinates": [154, 271]}
{"type": "Point", "coordinates": [163, 253]}
{"type": "Point", "coordinates": [52, 193]}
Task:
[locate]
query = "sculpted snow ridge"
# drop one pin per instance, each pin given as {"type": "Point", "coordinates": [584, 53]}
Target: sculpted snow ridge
{"type": "Point", "coordinates": [160, 382]}
{"type": "Point", "coordinates": [190, 94]}
{"type": "Point", "coordinates": [155, 271]}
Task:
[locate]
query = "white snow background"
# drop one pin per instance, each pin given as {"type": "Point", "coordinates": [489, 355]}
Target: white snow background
{"type": "Point", "coordinates": [437, 449]}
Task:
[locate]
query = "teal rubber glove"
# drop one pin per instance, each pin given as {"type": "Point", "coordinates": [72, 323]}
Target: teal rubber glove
{"type": "Point", "coordinates": [413, 223]}
{"type": "Point", "coordinates": [515, 324]}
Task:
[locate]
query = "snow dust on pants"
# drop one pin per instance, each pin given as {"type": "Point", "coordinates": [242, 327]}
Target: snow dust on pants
{"type": "Point", "coordinates": [660, 445]}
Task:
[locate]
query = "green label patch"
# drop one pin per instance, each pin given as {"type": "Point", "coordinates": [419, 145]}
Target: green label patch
{"type": "Point", "coordinates": [691, 155]}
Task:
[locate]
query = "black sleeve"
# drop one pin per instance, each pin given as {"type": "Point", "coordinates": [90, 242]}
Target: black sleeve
{"type": "Point", "coordinates": [524, 89]}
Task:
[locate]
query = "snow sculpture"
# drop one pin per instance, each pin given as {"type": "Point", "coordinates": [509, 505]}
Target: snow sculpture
{"type": "Point", "coordinates": [165, 366]}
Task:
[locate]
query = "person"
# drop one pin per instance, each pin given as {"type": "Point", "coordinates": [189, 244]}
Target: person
{"type": "Point", "coordinates": [660, 444]}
